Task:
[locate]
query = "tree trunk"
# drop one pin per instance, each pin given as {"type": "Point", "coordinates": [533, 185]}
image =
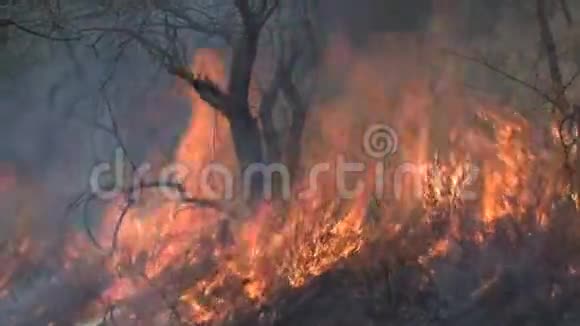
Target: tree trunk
{"type": "Point", "coordinates": [248, 146]}
{"type": "Point", "coordinates": [267, 104]}
{"type": "Point", "coordinates": [559, 90]}
{"type": "Point", "coordinates": [234, 102]}
{"type": "Point", "coordinates": [299, 115]}
{"type": "Point", "coordinates": [246, 133]}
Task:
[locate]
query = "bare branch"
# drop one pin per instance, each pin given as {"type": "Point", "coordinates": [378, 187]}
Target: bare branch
{"type": "Point", "coordinates": [130, 199]}
{"type": "Point", "coordinates": [120, 220]}
{"type": "Point", "coordinates": [87, 223]}
{"type": "Point", "coordinates": [10, 22]}
{"type": "Point", "coordinates": [570, 113]}
{"type": "Point", "coordinates": [572, 79]}
{"type": "Point", "coordinates": [269, 11]}
{"type": "Point", "coordinates": [491, 67]}
{"type": "Point", "coordinates": [190, 23]}
{"type": "Point", "coordinates": [147, 44]}
{"type": "Point", "coordinates": [547, 38]}
{"type": "Point", "coordinates": [114, 129]}
{"type": "Point", "coordinates": [184, 197]}
{"type": "Point", "coordinates": [254, 18]}
{"type": "Point", "coordinates": [566, 11]}
{"type": "Point", "coordinates": [207, 89]}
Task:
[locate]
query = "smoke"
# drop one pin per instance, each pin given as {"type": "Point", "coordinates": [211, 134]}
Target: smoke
{"type": "Point", "coordinates": [52, 110]}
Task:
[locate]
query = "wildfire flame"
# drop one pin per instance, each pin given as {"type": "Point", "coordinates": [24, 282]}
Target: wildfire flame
{"type": "Point", "coordinates": [276, 249]}
{"type": "Point", "coordinates": [215, 264]}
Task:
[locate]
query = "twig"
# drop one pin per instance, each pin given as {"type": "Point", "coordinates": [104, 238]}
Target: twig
{"type": "Point", "coordinates": [572, 79]}
{"type": "Point", "coordinates": [208, 90]}
{"type": "Point", "coordinates": [147, 44]}
{"type": "Point", "coordinates": [549, 44]}
{"type": "Point", "coordinates": [185, 198]}
{"type": "Point", "coordinates": [491, 67]}
{"type": "Point", "coordinates": [120, 220]}
{"type": "Point", "coordinates": [569, 111]}
{"type": "Point", "coordinates": [87, 223]}
{"type": "Point", "coordinates": [10, 22]}
{"type": "Point", "coordinates": [115, 129]}
{"type": "Point", "coordinates": [566, 11]}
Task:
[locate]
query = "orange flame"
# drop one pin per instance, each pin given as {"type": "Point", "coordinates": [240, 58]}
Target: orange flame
{"type": "Point", "coordinates": [290, 244]}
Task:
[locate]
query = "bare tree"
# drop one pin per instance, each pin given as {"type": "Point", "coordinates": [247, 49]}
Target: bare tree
{"type": "Point", "coordinates": [35, 19]}
{"type": "Point", "coordinates": [570, 113]}
{"type": "Point", "coordinates": [295, 68]}
{"type": "Point", "coordinates": [164, 29]}
{"type": "Point", "coordinates": [567, 114]}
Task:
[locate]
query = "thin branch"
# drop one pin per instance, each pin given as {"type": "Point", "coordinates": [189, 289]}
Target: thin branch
{"type": "Point", "coordinates": [130, 202]}
{"type": "Point", "coordinates": [192, 24]}
{"type": "Point", "coordinates": [572, 79]}
{"type": "Point", "coordinates": [567, 147]}
{"type": "Point", "coordinates": [206, 88]}
{"type": "Point", "coordinates": [491, 67]}
{"type": "Point", "coordinates": [115, 129]}
{"type": "Point", "coordinates": [570, 112]}
{"type": "Point", "coordinates": [547, 38]}
{"type": "Point", "coordinates": [86, 198]}
{"type": "Point", "coordinates": [184, 198]}
{"type": "Point", "coordinates": [268, 12]}
{"type": "Point", "coordinates": [10, 22]}
{"type": "Point", "coordinates": [147, 44]}
{"type": "Point", "coordinates": [566, 11]}
{"type": "Point", "coordinates": [87, 223]}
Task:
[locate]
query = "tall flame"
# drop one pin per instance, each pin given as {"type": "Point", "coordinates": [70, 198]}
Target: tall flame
{"type": "Point", "coordinates": [219, 264]}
